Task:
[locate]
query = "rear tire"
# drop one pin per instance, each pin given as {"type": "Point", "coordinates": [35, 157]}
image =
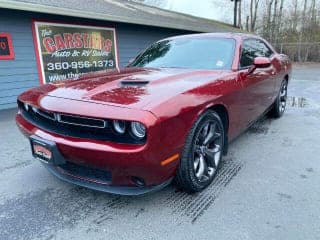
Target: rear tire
{"type": "Point", "coordinates": [202, 153]}
{"type": "Point", "coordinates": [279, 105]}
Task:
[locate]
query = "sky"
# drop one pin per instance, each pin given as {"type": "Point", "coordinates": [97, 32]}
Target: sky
{"type": "Point", "coordinates": [221, 10]}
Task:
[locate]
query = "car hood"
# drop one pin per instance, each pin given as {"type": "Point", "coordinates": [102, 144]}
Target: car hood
{"type": "Point", "coordinates": [132, 87]}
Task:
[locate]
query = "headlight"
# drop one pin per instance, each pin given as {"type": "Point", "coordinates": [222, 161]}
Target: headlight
{"type": "Point", "coordinates": [138, 129]}
{"type": "Point", "coordinates": [119, 126]}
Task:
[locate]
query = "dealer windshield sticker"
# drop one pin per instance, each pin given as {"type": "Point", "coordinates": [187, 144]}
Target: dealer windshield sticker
{"type": "Point", "coordinates": [219, 64]}
{"type": "Point", "coordinates": [66, 51]}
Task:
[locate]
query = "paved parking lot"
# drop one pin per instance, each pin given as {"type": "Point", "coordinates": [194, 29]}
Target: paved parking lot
{"type": "Point", "coordinates": [268, 188]}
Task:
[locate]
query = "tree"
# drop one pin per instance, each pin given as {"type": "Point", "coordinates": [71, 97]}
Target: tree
{"type": "Point", "coordinates": [290, 25]}
{"type": "Point", "coordinates": [235, 10]}
{"type": "Point", "coordinates": [239, 14]}
{"type": "Point", "coordinates": [254, 4]}
{"type": "Point", "coordinates": [279, 25]}
{"type": "Point", "coordinates": [268, 27]}
{"type": "Point", "coordinates": [302, 31]}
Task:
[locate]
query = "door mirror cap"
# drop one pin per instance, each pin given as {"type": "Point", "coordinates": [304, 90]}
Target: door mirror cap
{"type": "Point", "coordinates": [261, 62]}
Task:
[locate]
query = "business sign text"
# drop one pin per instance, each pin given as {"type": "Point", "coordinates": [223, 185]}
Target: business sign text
{"type": "Point", "coordinates": [67, 51]}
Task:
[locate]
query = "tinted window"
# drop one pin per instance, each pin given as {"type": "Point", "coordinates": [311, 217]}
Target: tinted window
{"type": "Point", "coordinates": [252, 48]}
{"type": "Point", "coordinates": [198, 53]}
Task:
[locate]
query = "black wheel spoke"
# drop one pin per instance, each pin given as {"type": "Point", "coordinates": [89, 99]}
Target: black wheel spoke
{"type": "Point", "coordinates": [197, 149]}
{"type": "Point", "coordinates": [196, 163]}
{"type": "Point", "coordinates": [216, 136]}
{"type": "Point", "coordinates": [210, 135]}
{"type": "Point", "coordinates": [205, 167]}
{"type": "Point", "coordinates": [202, 166]}
{"type": "Point", "coordinates": [203, 133]}
{"type": "Point", "coordinates": [211, 155]}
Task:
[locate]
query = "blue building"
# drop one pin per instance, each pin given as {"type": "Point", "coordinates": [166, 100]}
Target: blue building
{"type": "Point", "coordinates": [115, 30]}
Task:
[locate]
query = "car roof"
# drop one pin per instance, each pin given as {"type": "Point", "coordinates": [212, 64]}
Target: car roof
{"type": "Point", "coordinates": [237, 36]}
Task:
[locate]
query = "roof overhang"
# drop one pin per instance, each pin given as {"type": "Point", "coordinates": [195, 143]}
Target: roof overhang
{"type": "Point", "coordinates": [48, 9]}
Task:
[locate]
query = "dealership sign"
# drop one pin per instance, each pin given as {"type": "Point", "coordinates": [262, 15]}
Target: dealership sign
{"type": "Point", "coordinates": [66, 51]}
{"type": "Point", "coordinates": [6, 49]}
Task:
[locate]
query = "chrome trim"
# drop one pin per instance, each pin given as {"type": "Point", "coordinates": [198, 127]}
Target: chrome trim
{"type": "Point", "coordinates": [45, 116]}
{"type": "Point", "coordinates": [58, 118]}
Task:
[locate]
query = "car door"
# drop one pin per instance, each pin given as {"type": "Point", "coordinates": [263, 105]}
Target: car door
{"type": "Point", "coordinates": [257, 87]}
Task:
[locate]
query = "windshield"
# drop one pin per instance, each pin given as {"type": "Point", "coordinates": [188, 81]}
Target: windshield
{"type": "Point", "coordinates": [197, 53]}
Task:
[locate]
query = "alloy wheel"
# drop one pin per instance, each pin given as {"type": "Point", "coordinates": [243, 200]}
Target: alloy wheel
{"type": "Point", "coordinates": [207, 150]}
{"type": "Point", "coordinates": [283, 96]}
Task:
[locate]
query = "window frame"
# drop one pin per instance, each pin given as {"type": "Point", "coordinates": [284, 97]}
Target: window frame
{"type": "Point", "coordinates": [257, 39]}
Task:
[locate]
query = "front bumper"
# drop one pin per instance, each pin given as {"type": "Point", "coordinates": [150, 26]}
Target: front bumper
{"type": "Point", "coordinates": [123, 161]}
{"type": "Point", "coordinates": [88, 183]}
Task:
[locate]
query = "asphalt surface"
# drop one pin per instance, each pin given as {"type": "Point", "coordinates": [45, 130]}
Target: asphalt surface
{"type": "Point", "coordinates": [268, 188]}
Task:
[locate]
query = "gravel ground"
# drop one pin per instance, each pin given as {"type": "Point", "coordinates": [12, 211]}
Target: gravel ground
{"type": "Point", "coordinates": [268, 188]}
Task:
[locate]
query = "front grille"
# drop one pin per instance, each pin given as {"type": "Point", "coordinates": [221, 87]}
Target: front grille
{"type": "Point", "coordinates": [70, 119]}
{"type": "Point", "coordinates": [45, 114]}
{"type": "Point", "coordinates": [86, 173]}
{"type": "Point", "coordinates": [76, 126]}
{"type": "Point", "coordinates": [81, 121]}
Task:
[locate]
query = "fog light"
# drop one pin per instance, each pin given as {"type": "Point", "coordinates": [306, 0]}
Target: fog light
{"type": "Point", "coordinates": [138, 181]}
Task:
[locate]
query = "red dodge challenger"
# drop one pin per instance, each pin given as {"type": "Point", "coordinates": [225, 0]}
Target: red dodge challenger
{"type": "Point", "coordinates": [169, 114]}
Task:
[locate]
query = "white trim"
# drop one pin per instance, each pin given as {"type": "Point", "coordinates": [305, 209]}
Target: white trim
{"type": "Point", "coordinates": [43, 79]}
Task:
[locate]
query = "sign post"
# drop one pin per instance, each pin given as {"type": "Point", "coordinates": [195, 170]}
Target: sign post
{"type": "Point", "coordinates": [66, 51]}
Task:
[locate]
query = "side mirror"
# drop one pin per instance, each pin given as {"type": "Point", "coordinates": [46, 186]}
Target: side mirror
{"type": "Point", "coordinates": [131, 60]}
{"type": "Point", "coordinates": [259, 62]}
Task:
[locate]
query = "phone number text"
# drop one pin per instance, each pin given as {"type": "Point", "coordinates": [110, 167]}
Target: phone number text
{"type": "Point", "coordinates": [80, 65]}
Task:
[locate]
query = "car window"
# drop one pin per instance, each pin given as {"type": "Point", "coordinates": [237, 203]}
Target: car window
{"type": "Point", "coordinates": [263, 50]}
{"type": "Point", "coordinates": [197, 53]}
{"type": "Point", "coordinates": [252, 48]}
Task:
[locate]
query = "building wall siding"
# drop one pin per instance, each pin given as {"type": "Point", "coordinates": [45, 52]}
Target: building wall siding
{"type": "Point", "coordinates": [21, 73]}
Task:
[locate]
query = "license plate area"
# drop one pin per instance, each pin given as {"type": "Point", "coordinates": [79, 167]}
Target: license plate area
{"type": "Point", "coordinates": [46, 151]}
{"type": "Point", "coordinates": [41, 151]}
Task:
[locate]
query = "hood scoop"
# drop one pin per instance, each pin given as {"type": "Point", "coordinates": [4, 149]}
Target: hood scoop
{"type": "Point", "coordinates": [133, 83]}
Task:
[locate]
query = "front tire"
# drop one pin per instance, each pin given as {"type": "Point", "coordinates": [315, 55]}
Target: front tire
{"type": "Point", "coordinates": [202, 153]}
{"type": "Point", "coordinates": [279, 105]}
